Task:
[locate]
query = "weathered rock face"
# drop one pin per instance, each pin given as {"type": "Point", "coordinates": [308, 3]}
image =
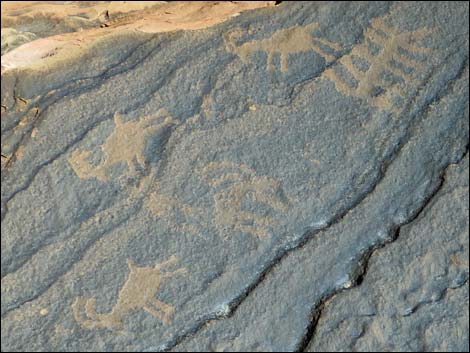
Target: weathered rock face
{"type": "Point", "coordinates": [415, 294]}
{"type": "Point", "coordinates": [294, 178]}
{"type": "Point", "coordinates": [24, 21]}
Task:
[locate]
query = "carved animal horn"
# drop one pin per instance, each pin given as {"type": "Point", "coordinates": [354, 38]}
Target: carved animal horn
{"type": "Point", "coordinates": [311, 26]}
{"type": "Point", "coordinates": [170, 261]}
{"type": "Point", "coordinates": [131, 264]}
{"type": "Point", "coordinates": [118, 119]}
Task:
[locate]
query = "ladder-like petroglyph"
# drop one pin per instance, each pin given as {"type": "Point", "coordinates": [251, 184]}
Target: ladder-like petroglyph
{"type": "Point", "coordinates": [293, 40]}
{"type": "Point", "coordinates": [125, 144]}
{"type": "Point", "coordinates": [137, 293]}
{"type": "Point", "coordinates": [400, 54]}
{"type": "Point", "coordinates": [235, 184]}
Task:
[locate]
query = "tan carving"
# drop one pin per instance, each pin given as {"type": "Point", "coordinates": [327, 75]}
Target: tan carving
{"type": "Point", "coordinates": [393, 57]}
{"type": "Point", "coordinates": [284, 42]}
{"type": "Point", "coordinates": [170, 207]}
{"type": "Point", "coordinates": [125, 144]}
{"type": "Point", "coordinates": [137, 293]}
{"type": "Point", "coordinates": [235, 184]}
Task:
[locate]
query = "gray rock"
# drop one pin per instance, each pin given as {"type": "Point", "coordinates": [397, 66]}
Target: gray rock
{"type": "Point", "coordinates": [414, 296]}
{"type": "Point", "coordinates": [243, 175]}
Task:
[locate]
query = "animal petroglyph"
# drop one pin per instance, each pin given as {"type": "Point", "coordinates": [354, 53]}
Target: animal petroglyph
{"type": "Point", "coordinates": [400, 55]}
{"type": "Point", "coordinates": [236, 184]}
{"type": "Point", "coordinates": [125, 144]}
{"type": "Point", "coordinates": [285, 42]}
{"type": "Point", "coordinates": [137, 293]}
{"type": "Point", "coordinates": [182, 216]}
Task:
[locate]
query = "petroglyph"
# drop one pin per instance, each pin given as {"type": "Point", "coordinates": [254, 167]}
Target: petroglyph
{"type": "Point", "coordinates": [285, 42]}
{"type": "Point", "coordinates": [34, 132]}
{"type": "Point", "coordinates": [182, 216]}
{"type": "Point", "coordinates": [400, 55]}
{"type": "Point", "coordinates": [236, 184]}
{"type": "Point", "coordinates": [137, 293]}
{"type": "Point", "coordinates": [125, 144]}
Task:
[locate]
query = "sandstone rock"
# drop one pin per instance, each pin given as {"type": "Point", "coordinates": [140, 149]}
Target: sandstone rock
{"type": "Point", "coordinates": [267, 182]}
{"type": "Point", "coordinates": [415, 294]}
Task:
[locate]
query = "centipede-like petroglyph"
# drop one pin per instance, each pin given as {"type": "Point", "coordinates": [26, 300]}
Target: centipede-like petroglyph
{"type": "Point", "coordinates": [235, 184]}
{"type": "Point", "coordinates": [293, 40]}
{"type": "Point", "coordinates": [125, 144]}
{"type": "Point", "coordinates": [138, 292]}
{"type": "Point", "coordinates": [400, 55]}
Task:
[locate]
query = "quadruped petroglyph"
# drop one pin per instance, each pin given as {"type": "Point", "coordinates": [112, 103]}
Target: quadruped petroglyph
{"type": "Point", "coordinates": [236, 184]}
{"type": "Point", "coordinates": [293, 40]}
{"type": "Point", "coordinates": [125, 144]}
{"type": "Point", "coordinates": [400, 55]}
{"type": "Point", "coordinates": [138, 292]}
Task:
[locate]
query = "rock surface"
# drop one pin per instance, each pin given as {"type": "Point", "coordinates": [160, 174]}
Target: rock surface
{"type": "Point", "coordinates": [291, 179]}
{"type": "Point", "coordinates": [414, 296]}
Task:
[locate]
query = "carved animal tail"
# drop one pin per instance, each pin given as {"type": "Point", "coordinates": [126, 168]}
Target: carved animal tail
{"type": "Point", "coordinates": [91, 319]}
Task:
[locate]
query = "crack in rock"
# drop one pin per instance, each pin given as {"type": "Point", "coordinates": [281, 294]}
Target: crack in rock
{"type": "Point", "coordinates": [362, 268]}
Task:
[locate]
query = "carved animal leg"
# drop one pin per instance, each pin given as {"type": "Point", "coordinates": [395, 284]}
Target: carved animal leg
{"type": "Point", "coordinates": [284, 62]}
{"type": "Point", "coordinates": [327, 56]}
{"type": "Point", "coordinates": [166, 308]}
{"type": "Point", "coordinates": [180, 271]}
{"type": "Point", "coordinates": [151, 128]}
{"type": "Point", "coordinates": [328, 43]}
{"type": "Point", "coordinates": [161, 310]}
{"type": "Point", "coordinates": [171, 260]}
{"type": "Point", "coordinates": [270, 63]}
{"type": "Point", "coordinates": [157, 313]}
{"type": "Point", "coordinates": [140, 160]}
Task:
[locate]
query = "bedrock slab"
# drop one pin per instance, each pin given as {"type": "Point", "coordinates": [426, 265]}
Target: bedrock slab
{"type": "Point", "coordinates": [24, 21]}
{"type": "Point", "coordinates": [222, 188]}
{"type": "Point", "coordinates": [414, 296]}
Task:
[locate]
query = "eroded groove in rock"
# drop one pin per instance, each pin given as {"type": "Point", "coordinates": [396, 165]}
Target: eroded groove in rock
{"type": "Point", "coordinates": [385, 233]}
{"type": "Point", "coordinates": [432, 290]}
{"type": "Point", "coordinates": [364, 263]}
{"type": "Point", "coordinates": [461, 73]}
{"type": "Point", "coordinates": [201, 177]}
